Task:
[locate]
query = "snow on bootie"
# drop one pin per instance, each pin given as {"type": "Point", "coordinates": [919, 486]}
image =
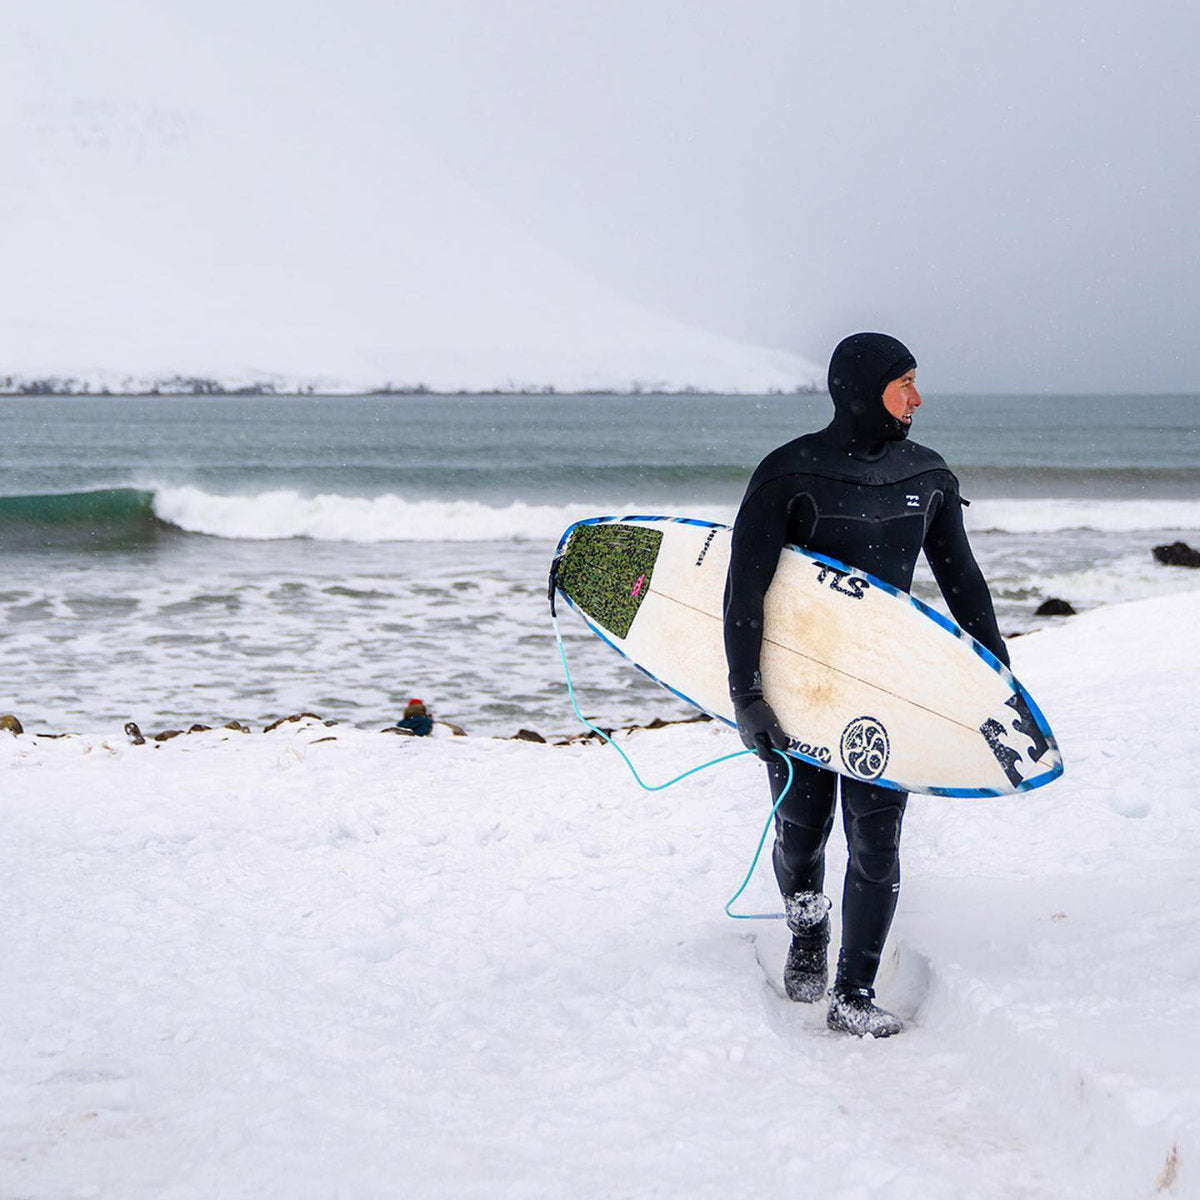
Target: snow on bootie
{"type": "Point", "coordinates": [853, 1010]}
{"type": "Point", "coordinates": [806, 971]}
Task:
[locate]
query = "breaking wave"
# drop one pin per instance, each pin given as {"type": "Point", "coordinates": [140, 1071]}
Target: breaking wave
{"type": "Point", "coordinates": [106, 517]}
{"type": "Point", "coordinates": [279, 515]}
{"type": "Point", "coordinates": [129, 516]}
{"type": "Point", "coordinates": [392, 518]}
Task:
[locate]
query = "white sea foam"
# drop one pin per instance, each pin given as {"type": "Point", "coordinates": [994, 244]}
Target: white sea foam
{"type": "Point", "coordinates": [278, 515]}
{"type": "Point", "coordinates": [1057, 515]}
{"type": "Point", "coordinates": [1133, 577]}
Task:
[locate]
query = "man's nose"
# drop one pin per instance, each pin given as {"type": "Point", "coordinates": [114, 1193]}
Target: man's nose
{"type": "Point", "coordinates": [916, 399]}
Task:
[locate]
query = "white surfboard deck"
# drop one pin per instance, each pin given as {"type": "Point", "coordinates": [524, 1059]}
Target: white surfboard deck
{"type": "Point", "coordinates": [865, 679]}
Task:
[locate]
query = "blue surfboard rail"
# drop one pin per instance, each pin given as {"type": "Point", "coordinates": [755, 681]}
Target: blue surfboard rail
{"type": "Point", "coordinates": [1043, 726]}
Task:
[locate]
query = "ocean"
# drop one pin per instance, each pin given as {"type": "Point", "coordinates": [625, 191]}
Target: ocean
{"type": "Point", "coordinates": [195, 560]}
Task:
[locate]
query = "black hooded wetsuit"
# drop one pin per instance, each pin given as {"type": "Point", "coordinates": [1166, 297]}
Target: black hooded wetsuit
{"type": "Point", "coordinates": [857, 491]}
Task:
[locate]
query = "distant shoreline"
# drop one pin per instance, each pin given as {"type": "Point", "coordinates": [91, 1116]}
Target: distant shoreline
{"type": "Point", "coordinates": [12, 388]}
{"type": "Point", "coordinates": [192, 389]}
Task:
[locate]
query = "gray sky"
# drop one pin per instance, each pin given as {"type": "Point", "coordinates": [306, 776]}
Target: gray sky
{"type": "Point", "coordinates": [1011, 188]}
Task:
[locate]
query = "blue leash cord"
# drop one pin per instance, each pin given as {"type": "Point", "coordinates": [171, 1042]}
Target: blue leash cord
{"type": "Point", "coordinates": [658, 787]}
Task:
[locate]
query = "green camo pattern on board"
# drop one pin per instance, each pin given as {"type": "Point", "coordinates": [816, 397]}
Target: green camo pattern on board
{"type": "Point", "coordinates": [606, 571]}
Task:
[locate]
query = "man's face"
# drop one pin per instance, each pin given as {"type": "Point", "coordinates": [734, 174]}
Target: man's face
{"type": "Point", "coordinates": [901, 397]}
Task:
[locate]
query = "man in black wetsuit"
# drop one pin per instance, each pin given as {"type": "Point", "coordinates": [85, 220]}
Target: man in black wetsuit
{"type": "Point", "coordinates": [857, 491]}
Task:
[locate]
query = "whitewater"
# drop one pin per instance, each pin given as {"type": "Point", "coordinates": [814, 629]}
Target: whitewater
{"type": "Point", "coordinates": [324, 962]}
{"type": "Point", "coordinates": [178, 605]}
{"type": "Point", "coordinates": [286, 513]}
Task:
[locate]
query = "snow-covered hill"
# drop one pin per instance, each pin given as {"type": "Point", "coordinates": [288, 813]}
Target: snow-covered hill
{"type": "Point", "coordinates": [326, 962]}
{"type": "Point", "coordinates": [147, 247]}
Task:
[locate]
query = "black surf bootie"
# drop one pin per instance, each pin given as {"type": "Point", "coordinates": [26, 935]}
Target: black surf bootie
{"type": "Point", "coordinates": [853, 1010]}
{"type": "Point", "coordinates": [806, 971]}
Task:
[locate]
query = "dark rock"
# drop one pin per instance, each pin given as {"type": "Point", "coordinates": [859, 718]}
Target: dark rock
{"type": "Point", "coordinates": [1177, 554]}
{"type": "Point", "coordinates": [662, 723]}
{"type": "Point", "coordinates": [589, 736]}
{"type": "Point", "coordinates": [331, 738]}
{"type": "Point", "coordinates": [168, 734]}
{"type": "Point", "coordinates": [1054, 607]}
{"type": "Point", "coordinates": [11, 723]}
{"type": "Point", "coordinates": [200, 729]}
{"type": "Point", "coordinates": [653, 723]}
{"type": "Point", "coordinates": [293, 717]}
{"type": "Point", "coordinates": [527, 735]}
{"type": "Point", "coordinates": [238, 726]}
{"type": "Point", "coordinates": [397, 730]}
{"type": "Point", "coordinates": [134, 733]}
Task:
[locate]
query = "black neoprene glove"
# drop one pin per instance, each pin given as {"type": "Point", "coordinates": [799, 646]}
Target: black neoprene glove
{"type": "Point", "coordinates": [759, 728]}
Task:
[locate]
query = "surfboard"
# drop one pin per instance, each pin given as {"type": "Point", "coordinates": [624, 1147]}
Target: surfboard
{"type": "Point", "coordinates": [865, 679]}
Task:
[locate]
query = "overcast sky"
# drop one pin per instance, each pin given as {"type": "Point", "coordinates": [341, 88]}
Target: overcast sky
{"type": "Point", "coordinates": [1011, 188]}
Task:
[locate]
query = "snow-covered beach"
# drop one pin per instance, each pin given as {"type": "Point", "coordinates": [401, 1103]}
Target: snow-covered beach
{"type": "Point", "coordinates": [325, 962]}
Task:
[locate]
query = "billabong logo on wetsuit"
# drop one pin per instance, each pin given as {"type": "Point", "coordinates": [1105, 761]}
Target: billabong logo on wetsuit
{"type": "Point", "coordinates": [994, 732]}
{"type": "Point", "coordinates": [865, 747]}
{"type": "Point", "coordinates": [820, 753]}
{"type": "Point", "coordinates": [842, 581]}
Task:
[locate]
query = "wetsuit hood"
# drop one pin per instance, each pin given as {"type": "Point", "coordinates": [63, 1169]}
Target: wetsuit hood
{"type": "Point", "coordinates": [861, 367]}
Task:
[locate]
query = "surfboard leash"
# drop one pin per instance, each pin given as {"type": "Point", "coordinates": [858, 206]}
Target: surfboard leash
{"type": "Point", "coordinates": [658, 787]}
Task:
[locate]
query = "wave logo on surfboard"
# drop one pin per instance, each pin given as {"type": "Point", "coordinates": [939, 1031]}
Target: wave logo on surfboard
{"type": "Point", "coordinates": [865, 747]}
{"type": "Point", "coordinates": [1025, 724]}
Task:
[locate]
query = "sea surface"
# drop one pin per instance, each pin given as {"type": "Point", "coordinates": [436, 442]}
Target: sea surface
{"type": "Point", "coordinates": [177, 560]}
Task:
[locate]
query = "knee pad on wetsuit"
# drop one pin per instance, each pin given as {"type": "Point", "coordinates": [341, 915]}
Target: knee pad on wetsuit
{"type": "Point", "coordinates": [873, 836]}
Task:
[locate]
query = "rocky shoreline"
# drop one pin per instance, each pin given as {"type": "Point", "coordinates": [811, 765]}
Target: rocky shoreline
{"type": "Point", "coordinates": [136, 737]}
